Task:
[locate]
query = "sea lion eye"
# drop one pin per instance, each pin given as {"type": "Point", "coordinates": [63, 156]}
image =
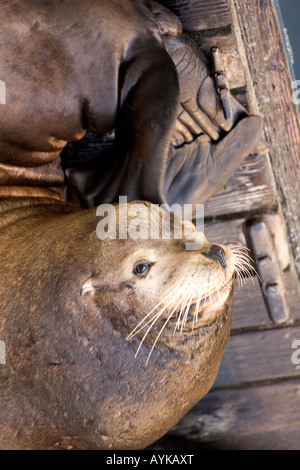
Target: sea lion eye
{"type": "Point", "coordinates": [142, 268]}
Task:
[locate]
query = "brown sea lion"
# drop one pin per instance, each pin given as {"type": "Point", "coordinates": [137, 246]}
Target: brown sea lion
{"type": "Point", "coordinates": [109, 342]}
{"type": "Point", "coordinates": [76, 65]}
{"type": "Point", "coordinates": [69, 305]}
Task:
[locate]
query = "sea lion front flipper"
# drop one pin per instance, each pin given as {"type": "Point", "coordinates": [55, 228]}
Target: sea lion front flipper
{"type": "Point", "coordinates": [236, 146]}
{"type": "Point", "coordinates": [144, 130]}
{"type": "Point", "coordinates": [201, 108]}
{"type": "Point", "coordinates": [197, 171]}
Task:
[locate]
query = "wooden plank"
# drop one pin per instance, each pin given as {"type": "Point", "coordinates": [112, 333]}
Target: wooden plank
{"type": "Point", "coordinates": [259, 355]}
{"type": "Point", "coordinates": [249, 308]}
{"type": "Point", "coordinates": [265, 411]}
{"type": "Point", "coordinates": [206, 14]}
{"type": "Point", "coordinates": [264, 51]}
{"type": "Point", "coordinates": [226, 231]}
{"type": "Point", "coordinates": [280, 439]}
{"type": "Point", "coordinates": [251, 188]}
{"type": "Point", "coordinates": [249, 305]}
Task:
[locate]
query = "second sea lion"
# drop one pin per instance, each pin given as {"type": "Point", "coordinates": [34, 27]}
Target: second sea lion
{"type": "Point", "coordinates": [109, 342]}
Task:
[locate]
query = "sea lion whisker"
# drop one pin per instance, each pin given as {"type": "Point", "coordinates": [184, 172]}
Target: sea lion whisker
{"type": "Point", "coordinates": [241, 255]}
{"type": "Point", "coordinates": [247, 260]}
{"type": "Point", "coordinates": [244, 267]}
{"type": "Point", "coordinates": [242, 251]}
{"type": "Point", "coordinates": [209, 284]}
{"type": "Point", "coordinates": [217, 287]}
{"type": "Point", "coordinates": [157, 316]}
{"type": "Point", "coordinates": [184, 320]}
{"type": "Point", "coordinates": [238, 246]}
{"type": "Point", "coordinates": [181, 309]}
{"type": "Point", "coordinates": [214, 283]}
{"type": "Point", "coordinates": [183, 306]}
{"type": "Point", "coordinates": [244, 260]}
{"type": "Point", "coordinates": [154, 320]}
{"type": "Point", "coordinates": [240, 277]}
{"type": "Point", "coordinates": [197, 308]}
{"type": "Point", "coordinates": [183, 303]}
{"type": "Point", "coordinates": [241, 265]}
{"type": "Point", "coordinates": [139, 326]}
{"type": "Point", "coordinates": [160, 332]}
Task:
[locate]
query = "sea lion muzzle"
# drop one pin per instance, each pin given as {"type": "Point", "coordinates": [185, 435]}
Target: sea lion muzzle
{"type": "Point", "coordinates": [217, 253]}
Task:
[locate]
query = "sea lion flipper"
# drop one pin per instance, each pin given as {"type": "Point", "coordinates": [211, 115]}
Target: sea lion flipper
{"type": "Point", "coordinates": [145, 126]}
{"type": "Point", "coordinates": [198, 94]}
{"type": "Point", "coordinates": [197, 171]}
{"type": "Point", "coordinates": [236, 146]}
{"type": "Point", "coordinates": [166, 21]}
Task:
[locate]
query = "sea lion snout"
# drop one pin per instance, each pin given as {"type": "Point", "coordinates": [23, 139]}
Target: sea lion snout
{"type": "Point", "coordinates": [217, 253]}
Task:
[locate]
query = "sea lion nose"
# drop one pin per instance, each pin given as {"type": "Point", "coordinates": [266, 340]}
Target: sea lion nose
{"type": "Point", "coordinates": [217, 253]}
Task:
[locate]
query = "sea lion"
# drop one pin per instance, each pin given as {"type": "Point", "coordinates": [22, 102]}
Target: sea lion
{"type": "Point", "coordinates": [69, 305]}
{"type": "Point", "coordinates": [205, 148]}
{"type": "Point", "coordinates": [109, 342]}
{"type": "Point", "coordinates": [76, 65]}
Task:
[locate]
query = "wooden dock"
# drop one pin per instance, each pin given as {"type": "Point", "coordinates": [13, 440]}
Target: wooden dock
{"type": "Point", "coordinates": [255, 401]}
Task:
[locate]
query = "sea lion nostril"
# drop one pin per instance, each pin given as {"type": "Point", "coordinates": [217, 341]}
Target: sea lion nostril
{"type": "Point", "coordinates": [217, 253]}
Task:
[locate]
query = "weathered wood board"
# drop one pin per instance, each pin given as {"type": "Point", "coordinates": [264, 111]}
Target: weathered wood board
{"type": "Point", "coordinates": [268, 67]}
{"type": "Point", "coordinates": [259, 356]}
{"type": "Point", "coordinates": [269, 414]}
{"type": "Point", "coordinates": [201, 15]}
{"type": "Point", "coordinates": [254, 403]}
{"type": "Point", "coordinates": [249, 306]}
{"type": "Point", "coordinates": [251, 188]}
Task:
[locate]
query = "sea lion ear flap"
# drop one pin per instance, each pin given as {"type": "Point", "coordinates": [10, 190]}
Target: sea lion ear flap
{"type": "Point", "coordinates": [166, 21]}
{"type": "Point", "coordinates": [90, 286]}
{"type": "Point", "coordinates": [86, 287]}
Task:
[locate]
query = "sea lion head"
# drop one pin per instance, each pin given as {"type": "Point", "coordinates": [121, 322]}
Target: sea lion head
{"type": "Point", "coordinates": [129, 334]}
{"type": "Point", "coordinates": [176, 282]}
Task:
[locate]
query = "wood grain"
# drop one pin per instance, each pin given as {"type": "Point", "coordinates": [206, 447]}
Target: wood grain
{"type": "Point", "coordinates": [250, 310]}
{"type": "Point", "coordinates": [206, 14]}
{"type": "Point", "coordinates": [251, 188]}
{"type": "Point", "coordinates": [245, 412]}
{"type": "Point", "coordinates": [259, 355]}
{"type": "Point", "coordinates": [272, 85]}
{"type": "Point", "coordinates": [255, 400]}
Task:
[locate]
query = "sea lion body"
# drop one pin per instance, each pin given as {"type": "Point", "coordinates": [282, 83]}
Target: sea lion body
{"type": "Point", "coordinates": [70, 66]}
{"type": "Point", "coordinates": [75, 309]}
{"type": "Point", "coordinates": [71, 308]}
